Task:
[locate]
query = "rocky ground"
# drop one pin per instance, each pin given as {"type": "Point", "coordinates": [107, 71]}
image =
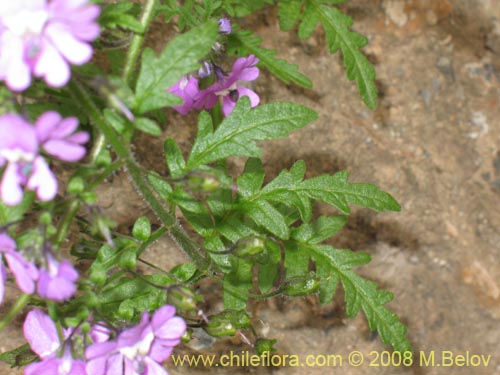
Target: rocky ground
{"type": "Point", "coordinates": [433, 143]}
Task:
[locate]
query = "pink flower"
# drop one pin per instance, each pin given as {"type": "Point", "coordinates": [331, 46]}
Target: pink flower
{"type": "Point", "coordinates": [57, 280]}
{"type": "Point", "coordinates": [187, 90]}
{"type": "Point", "coordinates": [56, 136]}
{"type": "Point", "coordinates": [41, 38]}
{"type": "Point", "coordinates": [24, 272]}
{"type": "Point", "coordinates": [19, 149]}
{"type": "Point", "coordinates": [41, 333]}
{"type": "Point", "coordinates": [139, 350]}
{"type": "Point", "coordinates": [229, 88]}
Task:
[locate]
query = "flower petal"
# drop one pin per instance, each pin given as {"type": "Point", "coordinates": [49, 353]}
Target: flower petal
{"type": "Point", "coordinates": [46, 124]}
{"type": "Point", "coordinates": [24, 272]}
{"type": "Point", "coordinates": [52, 66]}
{"type": "Point", "coordinates": [41, 333]}
{"type": "Point", "coordinates": [42, 180]}
{"type": "Point", "coordinates": [10, 187]}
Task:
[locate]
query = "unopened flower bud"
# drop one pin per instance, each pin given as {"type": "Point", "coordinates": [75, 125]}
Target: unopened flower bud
{"type": "Point", "coordinates": [220, 328]}
{"type": "Point", "coordinates": [203, 183]}
{"type": "Point", "coordinates": [182, 298]}
{"type": "Point", "coordinates": [301, 285]}
{"type": "Point", "coordinates": [250, 246]}
{"type": "Point", "coordinates": [225, 26]}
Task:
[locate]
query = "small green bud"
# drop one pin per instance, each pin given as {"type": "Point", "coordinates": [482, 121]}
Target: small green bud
{"type": "Point", "coordinates": [182, 298]}
{"type": "Point", "coordinates": [76, 185]}
{"type": "Point", "coordinates": [239, 319]}
{"type": "Point", "coordinates": [45, 219]}
{"type": "Point", "coordinates": [250, 246]}
{"type": "Point", "coordinates": [142, 229]}
{"type": "Point", "coordinates": [91, 300]}
{"type": "Point", "coordinates": [301, 285]}
{"type": "Point", "coordinates": [220, 328]}
{"type": "Point", "coordinates": [125, 311]}
{"type": "Point", "coordinates": [203, 183]}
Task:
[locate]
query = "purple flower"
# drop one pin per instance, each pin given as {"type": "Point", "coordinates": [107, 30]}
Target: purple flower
{"type": "Point", "coordinates": [41, 38]}
{"type": "Point", "coordinates": [24, 272]}
{"type": "Point", "coordinates": [56, 136]}
{"type": "Point", "coordinates": [57, 281]}
{"type": "Point", "coordinates": [19, 149]}
{"type": "Point", "coordinates": [225, 26]}
{"type": "Point", "coordinates": [139, 350]}
{"type": "Point", "coordinates": [230, 88]}
{"type": "Point", "coordinates": [41, 333]}
{"type": "Point", "coordinates": [187, 90]}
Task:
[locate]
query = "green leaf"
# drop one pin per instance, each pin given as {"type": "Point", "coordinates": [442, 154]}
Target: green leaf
{"type": "Point", "coordinates": [289, 189]}
{"type": "Point", "coordinates": [332, 265]}
{"type": "Point", "coordinates": [320, 230]}
{"type": "Point", "coordinates": [250, 182]}
{"type": "Point", "coordinates": [10, 214]}
{"type": "Point", "coordinates": [289, 13]}
{"type": "Point", "coordinates": [147, 126]}
{"type": "Point", "coordinates": [244, 43]}
{"type": "Point", "coordinates": [161, 186]}
{"type": "Point", "coordinates": [20, 356]}
{"type": "Point", "coordinates": [180, 57]}
{"type": "Point", "coordinates": [265, 215]}
{"type": "Point", "coordinates": [268, 271]}
{"type": "Point", "coordinates": [237, 284]}
{"type": "Point", "coordinates": [175, 161]}
{"type": "Point", "coordinates": [237, 134]}
{"type": "Point", "coordinates": [184, 271]}
{"type": "Point", "coordinates": [338, 36]}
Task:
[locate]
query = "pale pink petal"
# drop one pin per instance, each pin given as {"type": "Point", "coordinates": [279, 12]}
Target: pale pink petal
{"type": "Point", "coordinates": [52, 67]}
{"type": "Point", "coordinates": [42, 180]}
{"type": "Point", "coordinates": [41, 333]}
{"type": "Point", "coordinates": [227, 105]}
{"type": "Point", "coordinates": [153, 368]}
{"type": "Point", "coordinates": [24, 272]}
{"type": "Point", "coordinates": [10, 187]}
{"type": "Point", "coordinates": [46, 124]}
{"type": "Point", "coordinates": [244, 91]}
{"type": "Point", "coordinates": [75, 51]}
{"type": "Point", "coordinates": [64, 150]}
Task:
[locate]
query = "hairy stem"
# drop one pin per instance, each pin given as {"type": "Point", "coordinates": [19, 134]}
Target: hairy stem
{"type": "Point", "coordinates": [137, 40]}
{"type": "Point", "coordinates": [138, 178]}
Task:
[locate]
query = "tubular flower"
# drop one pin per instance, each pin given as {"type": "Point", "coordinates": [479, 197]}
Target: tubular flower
{"type": "Point", "coordinates": [229, 88]}
{"type": "Point", "coordinates": [42, 37]}
{"type": "Point", "coordinates": [19, 151]}
{"type": "Point", "coordinates": [139, 350]}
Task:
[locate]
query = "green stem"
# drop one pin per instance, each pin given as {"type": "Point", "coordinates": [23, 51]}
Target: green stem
{"type": "Point", "coordinates": [20, 303]}
{"type": "Point", "coordinates": [137, 40]}
{"type": "Point", "coordinates": [65, 224]}
{"type": "Point", "coordinates": [140, 181]}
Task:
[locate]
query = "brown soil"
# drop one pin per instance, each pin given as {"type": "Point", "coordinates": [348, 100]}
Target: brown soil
{"type": "Point", "coordinates": [433, 143]}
